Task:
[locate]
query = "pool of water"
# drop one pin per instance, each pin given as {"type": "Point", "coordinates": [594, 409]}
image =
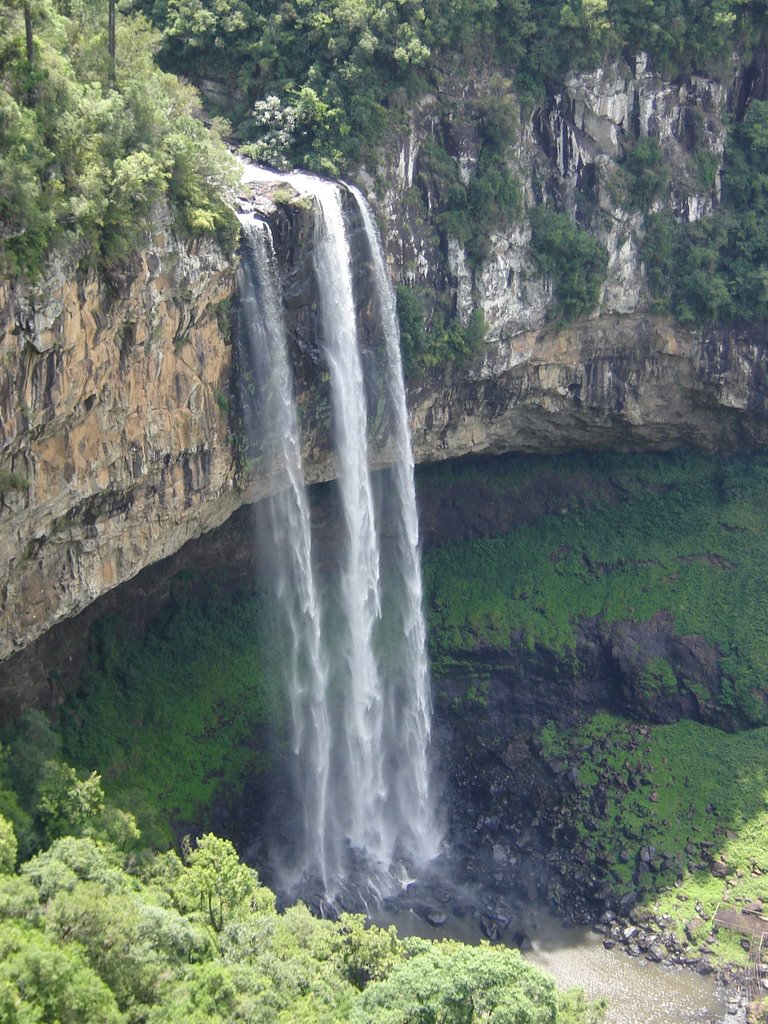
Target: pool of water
{"type": "Point", "coordinates": [638, 991]}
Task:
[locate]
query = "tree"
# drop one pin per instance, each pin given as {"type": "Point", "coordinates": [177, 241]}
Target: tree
{"type": "Point", "coordinates": [454, 984]}
{"type": "Point", "coordinates": [8, 846]}
{"type": "Point", "coordinates": [44, 983]}
{"type": "Point", "coordinates": [28, 33]}
{"type": "Point", "coordinates": [66, 802]}
{"type": "Point", "coordinates": [218, 886]}
{"type": "Point", "coordinates": [111, 41]}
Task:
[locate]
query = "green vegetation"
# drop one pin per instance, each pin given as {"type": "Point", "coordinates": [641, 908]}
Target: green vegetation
{"type": "Point", "coordinates": [574, 260]}
{"type": "Point", "coordinates": [622, 538]}
{"type": "Point", "coordinates": [173, 717]}
{"type": "Point", "coordinates": [716, 269]}
{"type": "Point", "coordinates": [492, 198]}
{"type": "Point", "coordinates": [446, 341]}
{"type": "Point", "coordinates": [692, 796]}
{"type": "Point", "coordinates": [83, 159]}
{"type": "Point", "coordinates": [320, 82]}
{"type": "Point", "coordinates": [12, 482]}
{"type": "Point", "coordinates": [97, 928]}
{"type": "Point", "coordinates": [644, 174]}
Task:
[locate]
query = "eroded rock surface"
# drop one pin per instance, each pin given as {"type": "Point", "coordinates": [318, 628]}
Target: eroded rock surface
{"type": "Point", "coordinates": [113, 425]}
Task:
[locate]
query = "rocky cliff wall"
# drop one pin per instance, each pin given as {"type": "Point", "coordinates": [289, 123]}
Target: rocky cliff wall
{"type": "Point", "coordinates": [614, 383]}
{"type": "Point", "coordinates": [570, 153]}
{"type": "Point", "coordinates": [114, 434]}
{"type": "Point", "coordinates": [116, 397]}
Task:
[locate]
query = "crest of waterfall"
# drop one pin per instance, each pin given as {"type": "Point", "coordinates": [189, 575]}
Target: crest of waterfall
{"type": "Point", "coordinates": [358, 670]}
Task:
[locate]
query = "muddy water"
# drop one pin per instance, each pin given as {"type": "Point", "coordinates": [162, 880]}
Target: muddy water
{"type": "Point", "coordinates": [638, 992]}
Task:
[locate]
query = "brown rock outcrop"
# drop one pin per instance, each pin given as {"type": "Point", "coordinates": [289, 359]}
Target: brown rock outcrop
{"type": "Point", "coordinates": [114, 435]}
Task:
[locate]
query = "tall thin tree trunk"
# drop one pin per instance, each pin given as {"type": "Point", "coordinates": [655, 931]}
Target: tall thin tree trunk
{"type": "Point", "coordinates": [30, 38]}
{"type": "Point", "coordinates": [28, 33]}
{"type": "Point", "coordinates": [111, 41]}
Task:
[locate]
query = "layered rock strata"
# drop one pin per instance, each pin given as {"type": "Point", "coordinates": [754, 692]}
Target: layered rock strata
{"type": "Point", "coordinates": [114, 433]}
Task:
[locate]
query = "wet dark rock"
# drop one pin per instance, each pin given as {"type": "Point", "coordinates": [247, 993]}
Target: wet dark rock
{"type": "Point", "coordinates": [520, 940]}
{"type": "Point", "coordinates": [435, 918]}
{"type": "Point", "coordinates": [627, 901]}
{"type": "Point", "coordinates": [492, 927]}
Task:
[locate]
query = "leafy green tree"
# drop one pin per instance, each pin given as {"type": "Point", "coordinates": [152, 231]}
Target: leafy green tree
{"type": "Point", "coordinates": [366, 953]}
{"type": "Point", "coordinates": [10, 808]}
{"type": "Point", "coordinates": [133, 945]}
{"type": "Point", "coordinates": [84, 163]}
{"type": "Point", "coordinates": [44, 983]}
{"type": "Point", "coordinates": [450, 983]}
{"type": "Point", "coordinates": [66, 803]}
{"type": "Point", "coordinates": [18, 899]}
{"type": "Point", "coordinates": [573, 1007]}
{"type": "Point", "coordinates": [216, 885]}
{"type": "Point", "coordinates": [8, 846]}
{"type": "Point", "coordinates": [71, 860]}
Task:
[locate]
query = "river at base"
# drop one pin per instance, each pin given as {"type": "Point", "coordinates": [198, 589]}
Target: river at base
{"type": "Point", "coordinates": [638, 991]}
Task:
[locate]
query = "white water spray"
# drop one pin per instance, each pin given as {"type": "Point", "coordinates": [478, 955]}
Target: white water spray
{"type": "Point", "coordinates": [361, 721]}
{"type": "Point", "coordinates": [288, 522]}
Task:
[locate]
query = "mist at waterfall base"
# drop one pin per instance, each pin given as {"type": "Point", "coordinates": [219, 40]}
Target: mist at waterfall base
{"type": "Point", "coordinates": [357, 818]}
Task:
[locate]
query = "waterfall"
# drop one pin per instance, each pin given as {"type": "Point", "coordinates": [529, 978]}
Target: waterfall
{"type": "Point", "coordinates": [361, 713]}
{"type": "Point", "coordinates": [412, 719]}
{"type": "Point", "coordinates": [287, 521]}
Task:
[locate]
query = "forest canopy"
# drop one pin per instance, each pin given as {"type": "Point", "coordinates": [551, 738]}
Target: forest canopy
{"type": "Point", "coordinates": [96, 927]}
{"type": "Point", "coordinates": [315, 81]}
{"type": "Point", "coordinates": [87, 150]}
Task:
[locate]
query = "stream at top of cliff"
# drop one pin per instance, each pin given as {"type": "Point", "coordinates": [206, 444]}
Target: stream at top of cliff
{"type": "Point", "coordinates": [638, 991]}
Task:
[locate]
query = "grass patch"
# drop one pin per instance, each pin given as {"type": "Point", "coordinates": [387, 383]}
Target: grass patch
{"type": "Point", "coordinates": [176, 717]}
{"type": "Point", "coordinates": [696, 796]}
{"type": "Point", "coordinates": [621, 539]}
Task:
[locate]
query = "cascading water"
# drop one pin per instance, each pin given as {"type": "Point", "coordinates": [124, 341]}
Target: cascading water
{"type": "Point", "coordinates": [411, 715]}
{"type": "Point", "coordinates": [361, 714]}
{"type": "Point", "coordinates": [287, 517]}
{"type": "Point", "coordinates": [363, 810]}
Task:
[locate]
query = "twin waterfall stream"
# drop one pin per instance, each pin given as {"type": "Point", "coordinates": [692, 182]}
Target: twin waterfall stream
{"type": "Point", "coordinates": [355, 649]}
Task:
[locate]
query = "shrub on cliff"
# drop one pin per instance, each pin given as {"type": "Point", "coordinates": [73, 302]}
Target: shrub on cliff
{"type": "Point", "coordinates": [574, 261]}
{"type": "Point", "coordinates": [716, 269]}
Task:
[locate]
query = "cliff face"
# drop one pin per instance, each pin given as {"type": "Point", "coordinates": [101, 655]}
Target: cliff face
{"type": "Point", "coordinates": [570, 152]}
{"type": "Point", "coordinates": [115, 436]}
{"type": "Point", "coordinates": [627, 383]}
